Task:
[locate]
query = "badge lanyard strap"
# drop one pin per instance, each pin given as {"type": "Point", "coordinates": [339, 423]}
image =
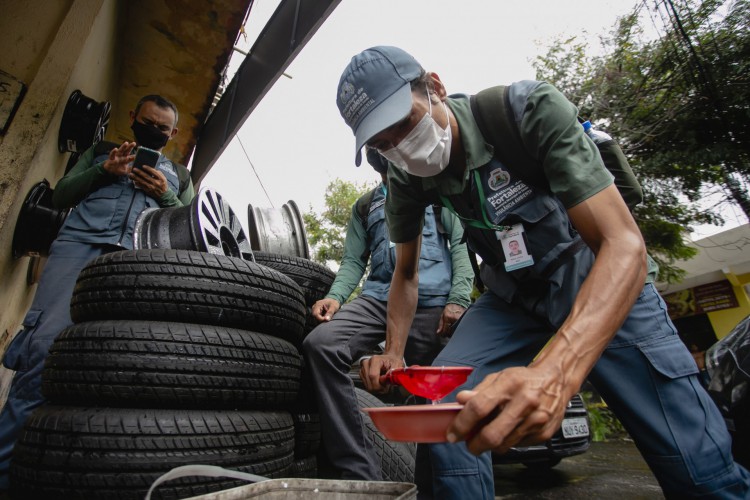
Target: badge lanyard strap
{"type": "Point", "coordinates": [486, 224]}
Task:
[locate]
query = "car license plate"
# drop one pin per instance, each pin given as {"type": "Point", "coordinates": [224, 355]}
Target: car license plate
{"type": "Point", "coordinates": [575, 427]}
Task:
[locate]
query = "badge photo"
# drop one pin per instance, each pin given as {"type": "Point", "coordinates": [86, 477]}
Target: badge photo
{"type": "Point", "coordinates": [514, 248]}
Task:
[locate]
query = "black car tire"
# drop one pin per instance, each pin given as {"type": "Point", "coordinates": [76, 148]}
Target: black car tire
{"type": "Point", "coordinates": [78, 452]}
{"type": "Point", "coordinates": [306, 434]}
{"type": "Point", "coordinates": [305, 467]}
{"type": "Point", "coordinates": [397, 459]}
{"type": "Point", "coordinates": [172, 365]}
{"type": "Point", "coordinates": [306, 401]}
{"type": "Point", "coordinates": [314, 279]}
{"type": "Point", "coordinates": [189, 287]}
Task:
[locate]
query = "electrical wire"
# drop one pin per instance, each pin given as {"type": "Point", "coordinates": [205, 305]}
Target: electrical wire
{"type": "Point", "coordinates": [254, 171]}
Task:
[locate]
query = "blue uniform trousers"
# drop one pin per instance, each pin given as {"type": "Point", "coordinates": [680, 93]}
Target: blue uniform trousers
{"type": "Point", "coordinates": [48, 316]}
{"type": "Point", "coordinates": [647, 377]}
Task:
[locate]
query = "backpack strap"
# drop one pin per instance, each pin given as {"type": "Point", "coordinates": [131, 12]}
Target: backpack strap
{"type": "Point", "coordinates": [494, 116]}
{"type": "Point", "coordinates": [437, 211]}
{"type": "Point", "coordinates": [363, 206]}
{"type": "Point", "coordinates": [625, 180]}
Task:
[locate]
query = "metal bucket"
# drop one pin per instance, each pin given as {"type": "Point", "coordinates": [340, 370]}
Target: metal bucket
{"type": "Point", "coordinates": [328, 489]}
{"type": "Point", "coordinates": [279, 231]}
{"type": "Point", "coordinates": [208, 224]}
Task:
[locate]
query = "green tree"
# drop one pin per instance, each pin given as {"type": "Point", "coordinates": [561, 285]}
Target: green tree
{"type": "Point", "coordinates": [326, 232]}
{"type": "Point", "coordinates": [678, 104]}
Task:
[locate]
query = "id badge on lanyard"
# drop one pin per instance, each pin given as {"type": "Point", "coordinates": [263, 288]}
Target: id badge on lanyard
{"type": "Point", "coordinates": [513, 242]}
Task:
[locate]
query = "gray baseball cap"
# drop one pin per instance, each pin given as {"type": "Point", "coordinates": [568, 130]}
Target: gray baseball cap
{"type": "Point", "coordinates": [374, 92]}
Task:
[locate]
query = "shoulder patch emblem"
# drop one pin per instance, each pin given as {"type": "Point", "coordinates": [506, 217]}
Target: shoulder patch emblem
{"type": "Point", "coordinates": [498, 179]}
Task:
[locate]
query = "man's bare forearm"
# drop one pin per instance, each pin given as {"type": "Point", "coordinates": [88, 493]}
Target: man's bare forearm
{"type": "Point", "coordinates": [601, 306]}
{"type": "Point", "coordinates": [403, 297]}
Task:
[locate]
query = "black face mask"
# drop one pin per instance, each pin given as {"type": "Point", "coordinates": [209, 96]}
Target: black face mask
{"type": "Point", "coordinates": [148, 136]}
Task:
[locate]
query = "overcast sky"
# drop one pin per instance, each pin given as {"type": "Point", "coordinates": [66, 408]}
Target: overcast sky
{"type": "Point", "coordinates": [296, 139]}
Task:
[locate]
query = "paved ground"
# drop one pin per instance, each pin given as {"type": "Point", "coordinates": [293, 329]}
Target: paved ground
{"type": "Point", "coordinates": [613, 469]}
{"type": "Point", "coordinates": [607, 470]}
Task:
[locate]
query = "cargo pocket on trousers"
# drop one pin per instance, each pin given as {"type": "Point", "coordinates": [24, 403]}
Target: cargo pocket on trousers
{"type": "Point", "coordinates": [16, 355]}
{"type": "Point", "coordinates": [693, 420]}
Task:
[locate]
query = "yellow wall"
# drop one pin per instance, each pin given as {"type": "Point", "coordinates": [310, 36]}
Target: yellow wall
{"type": "Point", "coordinates": [67, 45]}
{"type": "Point", "coordinates": [723, 321]}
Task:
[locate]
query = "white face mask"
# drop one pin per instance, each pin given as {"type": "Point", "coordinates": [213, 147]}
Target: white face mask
{"type": "Point", "coordinates": [426, 149]}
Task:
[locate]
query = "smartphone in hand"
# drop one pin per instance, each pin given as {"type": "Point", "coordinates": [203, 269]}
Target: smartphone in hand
{"type": "Point", "coordinates": [146, 156]}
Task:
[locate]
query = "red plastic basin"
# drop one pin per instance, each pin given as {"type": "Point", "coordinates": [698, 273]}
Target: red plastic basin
{"type": "Point", "coordinates": [414, 423]}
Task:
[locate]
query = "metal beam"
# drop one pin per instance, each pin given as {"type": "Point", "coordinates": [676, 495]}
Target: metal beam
{"type": "Point", "coordinates": [288, 30]}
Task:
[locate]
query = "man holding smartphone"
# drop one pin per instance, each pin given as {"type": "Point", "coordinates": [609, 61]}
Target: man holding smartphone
{"type": "Point", "coordinates": [107, 192]}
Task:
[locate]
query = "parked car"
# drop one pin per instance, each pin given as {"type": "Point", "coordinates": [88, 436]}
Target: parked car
{"type": "Point", "coordinates": [728, 366]}
{"type": "Point", "coordinates": [573, 438]}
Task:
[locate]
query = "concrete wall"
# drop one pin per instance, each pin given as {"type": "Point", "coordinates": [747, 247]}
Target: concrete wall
{"type": "Point", "coordinates": [722, 256]}
{"type": "Point", "coordinates": [54, 47]}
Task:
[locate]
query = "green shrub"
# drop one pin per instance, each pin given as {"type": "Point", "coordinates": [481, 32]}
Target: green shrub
{"type": "Point", "coordinates": [604, 424]}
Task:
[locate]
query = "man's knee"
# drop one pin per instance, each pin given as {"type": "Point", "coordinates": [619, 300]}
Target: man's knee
{"type": "Point", "coordinates": [309, 344]}
{"type": "Point", "coordinates": [460, 474]}
{"type": "Point", "coordinates": [317, 340]}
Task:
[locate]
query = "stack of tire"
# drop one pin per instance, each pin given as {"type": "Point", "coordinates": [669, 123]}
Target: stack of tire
{"type": "Point", "coordinates": [175, 357]}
